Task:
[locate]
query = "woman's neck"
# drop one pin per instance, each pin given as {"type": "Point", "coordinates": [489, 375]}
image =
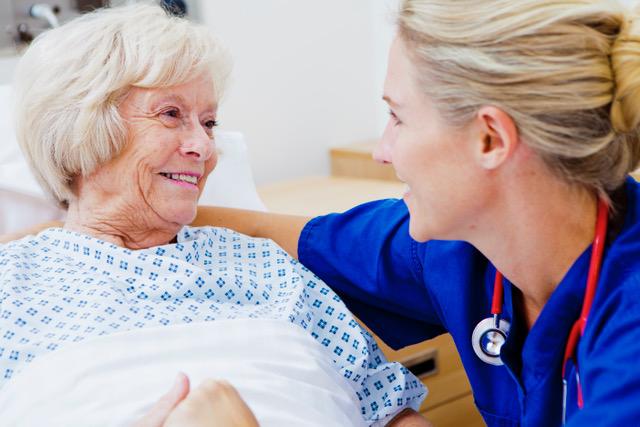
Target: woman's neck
{"type": "Point", "coordinates": [120, 226]}
{"type": "Point", "coordinates": [538, 233]}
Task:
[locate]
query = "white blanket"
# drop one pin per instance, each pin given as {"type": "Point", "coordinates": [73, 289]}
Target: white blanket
{"type": "Point", "coordinates": [285, 376]}
{"type": "Point", "coordinates": [61, 288]}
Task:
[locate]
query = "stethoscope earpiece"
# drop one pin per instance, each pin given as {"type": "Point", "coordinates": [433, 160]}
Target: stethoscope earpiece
{"type": "Point", "coordinates": [488, 338]}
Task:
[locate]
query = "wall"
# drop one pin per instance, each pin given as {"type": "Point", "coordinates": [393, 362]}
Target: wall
{"type": "Point", "coordinates": [383, 16]}
{"type": "Point", "coordinates": [7, 65]}
{"type": "Point", "coordinates": [307, 75]}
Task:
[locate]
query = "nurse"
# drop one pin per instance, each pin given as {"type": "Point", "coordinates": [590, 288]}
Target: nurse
{"type": "Point", "coordinates": [515, 125]}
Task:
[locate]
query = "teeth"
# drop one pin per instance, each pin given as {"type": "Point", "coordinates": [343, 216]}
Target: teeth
{"type": "Point", "coordinates": [181, 177]}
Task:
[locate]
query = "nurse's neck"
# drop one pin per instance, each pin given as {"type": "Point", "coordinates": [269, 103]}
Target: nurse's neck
{"type": "Point", "coordinates": [536, 233]}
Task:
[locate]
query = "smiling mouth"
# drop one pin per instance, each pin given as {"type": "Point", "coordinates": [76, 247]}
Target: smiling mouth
{"type": "Point", "coordinates": [189, 179]}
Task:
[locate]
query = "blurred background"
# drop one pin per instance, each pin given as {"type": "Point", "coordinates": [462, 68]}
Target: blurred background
{"type": "Point", "coordinates": [307, 75]}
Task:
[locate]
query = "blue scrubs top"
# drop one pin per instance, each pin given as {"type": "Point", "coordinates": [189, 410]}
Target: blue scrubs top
{"type": "Point", "coordinates": [407, 292]}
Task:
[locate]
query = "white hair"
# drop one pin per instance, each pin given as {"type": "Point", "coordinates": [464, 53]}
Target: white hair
{"type": "Point", "coordinates": [70, 81]}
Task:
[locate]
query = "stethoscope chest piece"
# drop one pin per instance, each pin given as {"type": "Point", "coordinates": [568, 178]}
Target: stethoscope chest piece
{"type": "Point", "coordinates": [488, 338]}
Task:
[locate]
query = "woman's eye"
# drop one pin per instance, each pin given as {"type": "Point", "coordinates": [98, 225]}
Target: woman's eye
{"type": "Point", "coordinates": [210, 124]}
{"type": "Point", "coordinates": [174, 113]}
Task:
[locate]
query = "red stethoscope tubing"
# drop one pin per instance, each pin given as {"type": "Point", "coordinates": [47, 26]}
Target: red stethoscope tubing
{"type": "Point", "coordinates": [498, 292]}
{"type": "Point", "coordinates": [592, 283]}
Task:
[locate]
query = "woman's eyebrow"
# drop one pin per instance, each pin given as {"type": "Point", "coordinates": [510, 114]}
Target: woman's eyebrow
{"type": "Point", "coordinates": [178, 99]}
{"type": "Point", "coordinates": [168, 98]}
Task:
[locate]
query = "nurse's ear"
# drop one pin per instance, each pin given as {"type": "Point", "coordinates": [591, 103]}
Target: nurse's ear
{"type": "Point", "coordinates": [498, 137]}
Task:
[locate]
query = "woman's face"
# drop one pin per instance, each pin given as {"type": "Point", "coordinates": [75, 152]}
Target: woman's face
{"type": "Point", "coordinates": [159, 175]}
{"type": "Point", "coordinates": [435, 160]}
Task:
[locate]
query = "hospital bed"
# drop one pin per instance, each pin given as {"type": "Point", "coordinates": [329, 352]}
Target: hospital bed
{"type": "Point", "coordinates": [23, 204]}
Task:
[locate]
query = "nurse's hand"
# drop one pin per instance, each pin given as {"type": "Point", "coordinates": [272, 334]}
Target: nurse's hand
{"type": "Point", "coordinates": [212, 404]}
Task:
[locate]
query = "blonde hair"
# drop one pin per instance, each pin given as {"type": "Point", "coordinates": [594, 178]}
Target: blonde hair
{"type": "Point", "coordinates": [566, 71]}
{"type": "Point", "coordinates": [71, 80]}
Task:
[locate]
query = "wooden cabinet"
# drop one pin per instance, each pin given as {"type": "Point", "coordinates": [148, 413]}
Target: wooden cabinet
{"type": "Point", "coordinates": [356, 161]}
{"type": "Point", "coordinates": [450, 402]}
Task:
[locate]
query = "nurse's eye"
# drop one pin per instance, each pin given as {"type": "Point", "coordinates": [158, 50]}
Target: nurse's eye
{"type": "Point", "coordinates": [394, 118]}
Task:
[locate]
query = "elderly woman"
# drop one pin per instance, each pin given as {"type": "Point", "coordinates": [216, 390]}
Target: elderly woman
{"type": "Point", "coordinates": [116, 113]}
{"type": "Point", "coordinates": [515, 125]}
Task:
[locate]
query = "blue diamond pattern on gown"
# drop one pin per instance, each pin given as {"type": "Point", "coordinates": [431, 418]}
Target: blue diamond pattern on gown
{"type": "Point", "coordinates": [62, 287]}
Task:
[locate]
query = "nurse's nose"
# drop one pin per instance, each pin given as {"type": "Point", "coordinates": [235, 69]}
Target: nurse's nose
{"type": "Point", "coordinates": [198, 144]}
{"type": "Point", "coordinates": [383, 149]}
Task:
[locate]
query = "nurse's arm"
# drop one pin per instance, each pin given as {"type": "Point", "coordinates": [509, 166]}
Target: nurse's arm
{"type": "Point", "coordinates": [283, 229]}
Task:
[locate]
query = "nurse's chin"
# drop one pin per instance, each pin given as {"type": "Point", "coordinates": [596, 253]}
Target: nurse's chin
{"type": "Point", "coordinates": [419, 232]}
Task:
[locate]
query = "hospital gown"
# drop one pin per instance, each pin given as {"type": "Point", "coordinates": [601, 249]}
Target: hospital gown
{"type": "Point", "coordinates": [61, 287]}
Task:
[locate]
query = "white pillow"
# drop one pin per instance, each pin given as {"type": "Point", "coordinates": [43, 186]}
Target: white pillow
{"type": "Point", "coordinates": [24, 204]}
{"type": "Point", "coordinates": [231, 183]}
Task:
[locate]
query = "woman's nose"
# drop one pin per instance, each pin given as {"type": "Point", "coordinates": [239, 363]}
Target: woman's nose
{"type": "Point", "coordinates": [198, 144]}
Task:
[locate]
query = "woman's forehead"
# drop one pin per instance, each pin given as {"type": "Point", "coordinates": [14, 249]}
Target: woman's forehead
{"type": "Point", "coordinates": [198, 92]}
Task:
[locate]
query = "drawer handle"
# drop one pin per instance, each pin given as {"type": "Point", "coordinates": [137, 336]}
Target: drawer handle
{"type": "Point", "coordinates": [423, 365]}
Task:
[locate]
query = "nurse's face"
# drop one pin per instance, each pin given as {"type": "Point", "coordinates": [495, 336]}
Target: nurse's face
{"type": "Point", "coordinates": [435, 160]}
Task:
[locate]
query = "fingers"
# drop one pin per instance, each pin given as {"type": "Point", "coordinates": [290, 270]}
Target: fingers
{"type": "Point", "coordinates": [213, 403]}
{"type": "Point", "coordinates": [159, 412]}
{"type": "Point", "coordinates": [224, 395]}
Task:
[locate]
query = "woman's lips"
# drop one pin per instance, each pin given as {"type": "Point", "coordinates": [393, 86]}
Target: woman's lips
{"type": "Point", "coordinates": [184, 183]}
{"type": "Point", "coordinates": [189, 177]}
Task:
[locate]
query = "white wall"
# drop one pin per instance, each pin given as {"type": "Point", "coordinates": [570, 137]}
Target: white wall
{"type": "Point", "coordinates": [8, 63]}
{"type": "Point", "coordinates": [383, 16]}
{"type": "Point", "coordinates": [307, 76]}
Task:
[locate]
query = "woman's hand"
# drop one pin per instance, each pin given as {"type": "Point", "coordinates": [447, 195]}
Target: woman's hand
{"type": "Point", "coordinates": [409, 418]}
{"type": "Point", "coordinates": [212, 404]}
{"type": "Point", "coordinates": [159, 412]}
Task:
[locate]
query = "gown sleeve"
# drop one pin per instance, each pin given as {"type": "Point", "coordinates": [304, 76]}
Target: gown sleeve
{"type": "Point", "coordinates": [367, 256]}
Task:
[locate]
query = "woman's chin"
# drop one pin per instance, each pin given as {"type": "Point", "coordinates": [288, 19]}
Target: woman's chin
{"type": "Point", "coordinates": [181, 216]}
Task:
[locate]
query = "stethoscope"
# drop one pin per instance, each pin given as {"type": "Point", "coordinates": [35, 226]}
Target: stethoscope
{"type": "Point", "coordinates": [490, 334]}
